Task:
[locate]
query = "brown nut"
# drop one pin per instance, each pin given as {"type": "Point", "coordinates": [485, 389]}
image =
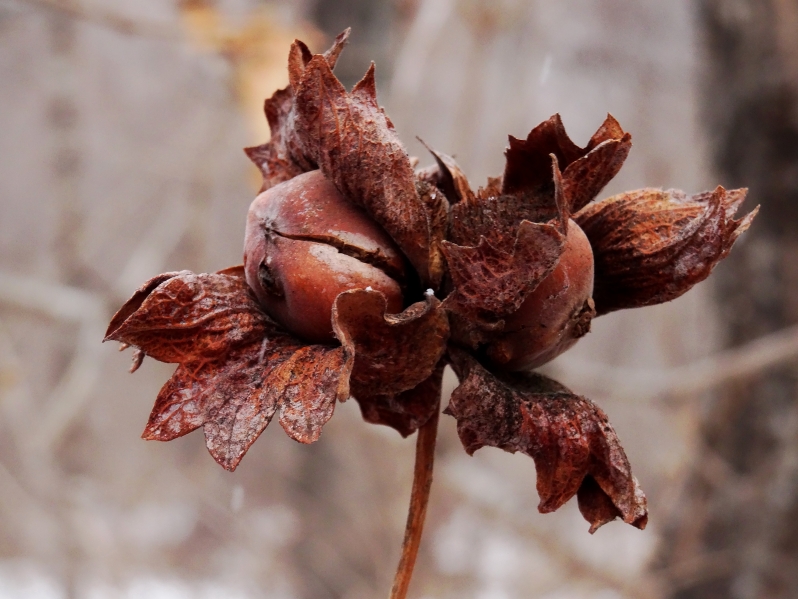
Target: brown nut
{"type": "Point", "coordinates": [555, 315]}
{"type": "Point", "coordinates": [305, 244]}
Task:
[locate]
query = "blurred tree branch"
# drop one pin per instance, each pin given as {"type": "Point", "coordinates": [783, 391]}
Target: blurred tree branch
{"type": "Point", "coordinates": [107, 18]}
{"type": "Point", "coordinates": [686, 381]}
{"type": "Point", "coordinates": [751, 113]}
{"type": "Point", "coordinates": [557, 550]}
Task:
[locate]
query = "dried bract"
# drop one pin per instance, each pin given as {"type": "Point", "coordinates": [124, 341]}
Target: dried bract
{"type": "Point", "coordinates": [585, 171]}
{"type": "Point", "coordinates": [567, 435]}
{"type": "Point", "coordinates": [392, 352]}
{"type": "Point", "coordinates": [554, 316]}
{"type": "Point", "coordinates": [406, 411]}
{"type": "Point", "coordinates": [651, 246]}
{"type": "Point", "coordinates": [239, 371]}
{"type": "Point", "coordinates": [283, 157]}
{"type": "Point", "coordinates": [363, 277]}
{"type": "Point", "coordinates": [354, 144]}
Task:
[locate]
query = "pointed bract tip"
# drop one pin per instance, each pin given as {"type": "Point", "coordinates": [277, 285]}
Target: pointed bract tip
{"type": "Point", "coordinates": [337, 47]}
{"type": "Point", "coordinates": [298, 57]}
{"type": "Point", "coordinates": [366, 88]}
{"type": "Point", "coordinates": [138, 358]}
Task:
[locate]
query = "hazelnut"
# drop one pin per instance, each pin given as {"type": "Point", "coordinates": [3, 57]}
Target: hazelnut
{"type": "Point", "coordinates": [555, 315]}
{"type": "Point", "coordinates": [305, 244]}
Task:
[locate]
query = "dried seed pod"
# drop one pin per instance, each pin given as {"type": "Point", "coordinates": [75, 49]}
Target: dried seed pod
{"type": "Point", "coordinates": [651, 246]}
{"type": "Point", "coordinates": [305, 244]}
{"type": "Point", "coordinates": [518, 276]}
{"type": "Point", "coordinates": [555, 315]}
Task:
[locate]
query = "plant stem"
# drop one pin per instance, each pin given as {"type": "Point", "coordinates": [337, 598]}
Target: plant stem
{"type": "Point", "coordinates": [419, 497]}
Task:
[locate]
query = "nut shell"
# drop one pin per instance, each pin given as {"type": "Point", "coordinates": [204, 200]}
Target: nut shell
{"type": "Point", "coordinates": [305, 244]}
{"type": "Point", "coordinates": [555, 315]}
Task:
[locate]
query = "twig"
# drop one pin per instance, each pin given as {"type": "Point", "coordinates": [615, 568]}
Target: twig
{"type": "Point", "coordinates": [425, 29]}
{"type": "Point", "coordinates": [419, 497]}
{"type": "Point", "coordinates": [68, 304]}
{"type": "Point", "coordinates": [74, 388]}
{"type": "Point", "coordinates": [108, 19]}
{"type": "Point", "coordinates": [724, 367]}
{"type": "Point", "coordinates": [158, 242]}
{"type": "Point", "coordinates": [632, 586]}
{"type": "Point", "coordinates": [60, 302]}
{"type": "Point", "coordinates": [735, 364]}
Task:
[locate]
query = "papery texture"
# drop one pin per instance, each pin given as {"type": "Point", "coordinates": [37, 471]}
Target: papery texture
{"type": "Point", "coordinates": [491, 280]}
{"type": "Point", "coordinates": [135, 301]}
{"type": "Point", "coordinates": [237, 367]}
{"type": "Point", "coordinates": [568, 436]}
{"type": "Point", "coordinates": [408, 411]}
{"type": "Point", "coordinates": [546, 177]}
{"type": "Point", "coordinates": [447, 176]}
{"type": "Point", "coordinates": [354, 144]}
{"type": "Point", "coordinates": [497, 215]}
{"type": "Point", "coordinates": [189, 316]}
{"type": "Point", "coordinates": [499, 254]}
{"type": "Point", "coordinates": [283, 156]}
{"type": "Point", "coordinates": [275, 159]}
{"type": "Point", "coordinates": [651, 246]}
{"type": "Point", "coordinates": [392, 352]}
{"type": "Point", "coordinates": [585, 170]}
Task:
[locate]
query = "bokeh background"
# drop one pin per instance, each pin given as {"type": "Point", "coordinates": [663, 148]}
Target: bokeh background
{"type": "Point", "coordinates": [121, 128]}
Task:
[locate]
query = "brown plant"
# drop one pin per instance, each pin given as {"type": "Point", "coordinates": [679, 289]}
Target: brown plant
{"type": "Point", "coordinates": [363, 278]}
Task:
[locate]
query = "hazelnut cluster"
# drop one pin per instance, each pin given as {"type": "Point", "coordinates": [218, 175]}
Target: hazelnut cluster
{"type": "Point", "coordinates": [364, 276]}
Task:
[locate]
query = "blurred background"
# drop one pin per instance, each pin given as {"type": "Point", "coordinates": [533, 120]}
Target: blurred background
{"type": "Point", "coordinates": [122, 124]}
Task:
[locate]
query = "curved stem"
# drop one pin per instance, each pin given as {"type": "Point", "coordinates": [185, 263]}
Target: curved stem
{"type": "Point", "coordinates": [419, 497]}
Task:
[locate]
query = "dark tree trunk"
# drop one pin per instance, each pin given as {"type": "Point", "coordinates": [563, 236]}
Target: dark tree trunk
{"type": "Point", "coordinates": [736, 533]}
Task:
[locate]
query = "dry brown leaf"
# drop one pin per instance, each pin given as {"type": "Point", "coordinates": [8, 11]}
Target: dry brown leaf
{"type": "Point", "coordinates": [585, 170]}
{"type": "Point", "coordinates": [237, 367]}
{"type": "Point", "coordinates": [651, 246]}
{"type": "Point", "coordinates": [392, 352]}
{"type": "Point", "coordinates": [527, 164]}
{"type": "Point", "coordinates": [492, 278]}
{"type": "Point", "coordinates": [447, 176]}
{"type": "Point", "coordinates": [490, 281]}
{"type": "Point", "coordinates": [497, 216]}
{"type": "Point", "coordinates": [135, 301]}
{"type": "Point", "coordinates": [354, 144]}
{"type": "Point", "coordinates": [408, 411]}
{"type": "Point", "coordinates": [597, 508]}
{"type": "Point", "coordinates": [527, 171]}
{"type": "Point", "coordinates": [437, 207]}
{"type": "Point", "coordinates": [567, 435]}
{"type": "Point", "coordinates": [180, 317]}
{"type": "Point", "coordinates": [235, 398]}
{"type": "Point", "coordinates": [531, 188]}
{"type": "Point", "coordinates": [283, 156]}
{"type": "Point", "coordinates": [275, 158]}
{"type": "Point", "coordinates": [584, 178]}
